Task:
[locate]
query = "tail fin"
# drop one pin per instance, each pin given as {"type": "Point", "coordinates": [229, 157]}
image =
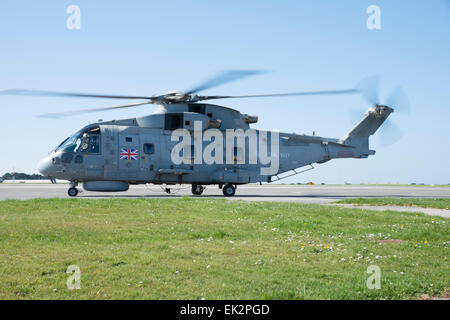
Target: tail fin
{"type": "Point", "coordinates": [359, 135]}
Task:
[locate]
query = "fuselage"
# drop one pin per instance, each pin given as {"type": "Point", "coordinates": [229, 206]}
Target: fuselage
{"type": "Point", "coordinates": [142, 150]}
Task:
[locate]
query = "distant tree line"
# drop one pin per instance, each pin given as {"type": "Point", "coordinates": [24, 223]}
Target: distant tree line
{"type": "Point", "coordinates": [23, 176]}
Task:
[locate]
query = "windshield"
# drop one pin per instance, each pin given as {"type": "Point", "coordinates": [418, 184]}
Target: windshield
{"type": "Point", "coordinates": [84, 141]}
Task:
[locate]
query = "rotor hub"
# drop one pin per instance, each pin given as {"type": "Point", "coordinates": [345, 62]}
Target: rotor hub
{"type": "Point", "coordinates": [383, 110]}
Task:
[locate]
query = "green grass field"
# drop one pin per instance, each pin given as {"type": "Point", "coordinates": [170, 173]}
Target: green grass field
{"type": "Point", "coordinates": [438, 203]}
{"type": "Point", "coordinates": [191, 248]}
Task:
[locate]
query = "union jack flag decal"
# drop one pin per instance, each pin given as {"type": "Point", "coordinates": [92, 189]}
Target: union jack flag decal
{"type": "Point", "coordinates": [129, 154]}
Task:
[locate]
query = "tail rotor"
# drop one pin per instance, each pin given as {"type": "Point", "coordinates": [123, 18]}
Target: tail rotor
{"type": "Point", "coordinates": [397, 100]}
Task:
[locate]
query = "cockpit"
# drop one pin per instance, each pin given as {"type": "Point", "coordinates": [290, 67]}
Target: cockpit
{"type": "Point", "coordinates": [86, 140]}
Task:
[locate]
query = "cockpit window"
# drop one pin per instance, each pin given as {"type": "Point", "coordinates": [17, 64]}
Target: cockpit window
{"type": "Point", "coordinates": [59, 145]}
{"type": "Point", "coordinates": [83, 141]}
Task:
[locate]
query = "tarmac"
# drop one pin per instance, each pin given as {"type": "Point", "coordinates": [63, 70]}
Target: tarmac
{"type": "Point", "coordinates": [318, 194]}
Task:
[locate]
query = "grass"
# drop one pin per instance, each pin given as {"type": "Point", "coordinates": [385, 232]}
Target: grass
{"type": "Point", "coordinates": [191, 248]}
{"type": "Point", "coordinates": [438, 203]}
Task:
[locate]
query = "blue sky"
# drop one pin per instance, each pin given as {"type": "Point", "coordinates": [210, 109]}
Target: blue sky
{"type": "Point", "coordinates": [149, 47]}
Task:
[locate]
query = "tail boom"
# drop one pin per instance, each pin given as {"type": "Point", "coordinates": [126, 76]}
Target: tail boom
{"type": "Point", "coordinates": [358, 136]}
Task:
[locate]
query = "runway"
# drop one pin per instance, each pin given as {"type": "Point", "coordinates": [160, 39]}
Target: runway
{"type": "Point", "coordinates": [294, 193]}
{"type": "Point", "coordinates": [318, 194]}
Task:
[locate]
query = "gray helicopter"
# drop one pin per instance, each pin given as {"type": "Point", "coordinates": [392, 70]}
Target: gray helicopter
{"type": "Point", "coordinates": [186, 141]}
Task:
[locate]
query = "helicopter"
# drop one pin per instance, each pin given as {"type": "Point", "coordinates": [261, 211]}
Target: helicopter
{"type": "Point", "coordinates": [188, 141]}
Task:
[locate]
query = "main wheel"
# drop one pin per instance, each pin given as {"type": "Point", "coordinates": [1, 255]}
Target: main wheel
{"type": "Point", "coordinates": [72, 192]}
{"type": "Point", "coordinates": [197, 189]}
{"type": "Point", "coordinates": [228, 190]}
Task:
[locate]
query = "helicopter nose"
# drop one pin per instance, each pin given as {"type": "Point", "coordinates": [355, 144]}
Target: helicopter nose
{"type": "Point", "coordinates": [45, 166]}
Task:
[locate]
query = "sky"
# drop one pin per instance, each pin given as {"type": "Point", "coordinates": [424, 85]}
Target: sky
{"type": "Point", "coordinates": [151, 47]}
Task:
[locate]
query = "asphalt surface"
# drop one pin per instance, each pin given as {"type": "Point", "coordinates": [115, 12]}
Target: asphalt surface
{"type": "Point", "coordinates": [319, 194]}
{"type": "Point", "coordinates": [295, 193]}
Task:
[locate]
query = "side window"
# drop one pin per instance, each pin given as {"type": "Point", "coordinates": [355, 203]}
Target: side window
{"type": "Point", "coordinates": [90, 143]}
{"type": "Point", "coordinates": [173, 121]}
{"type": "Point", "coordinates": [149, 148]}
{"type": "Point", "coordinates": [197, 107]}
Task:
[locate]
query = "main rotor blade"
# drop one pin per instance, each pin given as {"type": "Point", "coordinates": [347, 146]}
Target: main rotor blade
{"type": "Point", "coordinates": [369, 88]}
{"type": "Point", "coordinates": [71, 113]}
{"type": "Point", "coordinates": [222, 78]}
{"type": "Point", "coordinates": [306, 93]}
{"type": "Point", "coordinates": [27, 92]}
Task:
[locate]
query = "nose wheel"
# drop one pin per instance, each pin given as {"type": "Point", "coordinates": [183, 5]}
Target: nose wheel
{"type": "Point", "coordinates": [197, 189]}
{"type": "Point", "coordinates": [228, 190]}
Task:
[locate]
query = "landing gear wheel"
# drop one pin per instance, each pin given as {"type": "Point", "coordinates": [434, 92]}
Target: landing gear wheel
{"type": "Point", "coordinates": [228, 190]}
{"type": "Point", "coordinates": [72, 192]}
{"type": "Point", "coordinates": [197, 189]}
